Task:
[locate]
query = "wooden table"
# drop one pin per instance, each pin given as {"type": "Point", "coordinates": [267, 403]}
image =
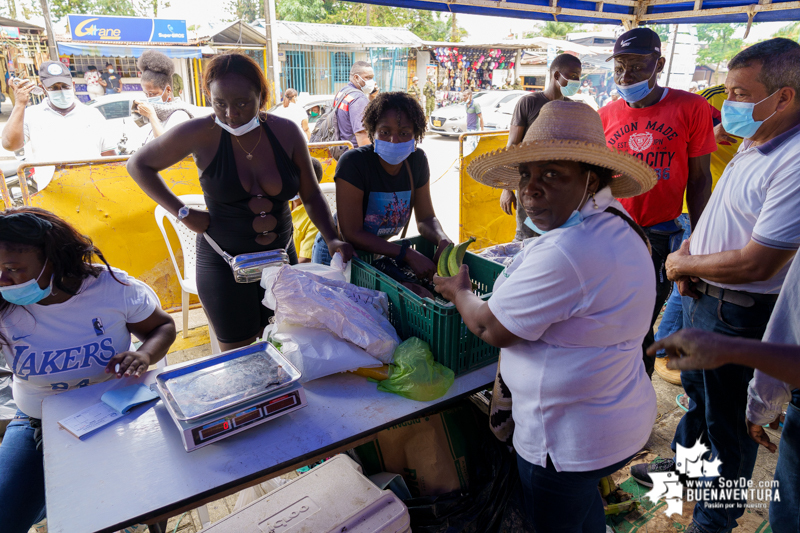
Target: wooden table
{"type": "Point", "coordinates": [137, 471]}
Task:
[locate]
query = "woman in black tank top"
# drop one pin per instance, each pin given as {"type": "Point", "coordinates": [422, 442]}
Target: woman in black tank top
{"type": "Point", "coordinates": [250, 165]}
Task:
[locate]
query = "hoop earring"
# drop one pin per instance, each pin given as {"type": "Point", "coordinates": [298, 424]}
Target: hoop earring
{"type": "Point", "coordinates": [594, 202]}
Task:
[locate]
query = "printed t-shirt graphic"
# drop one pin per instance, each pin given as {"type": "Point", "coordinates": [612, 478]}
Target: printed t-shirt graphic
{"type": "Point", "coordinates": [664, 135]}
{"type": "Point", "coordinates": [387, 212]}
{"type": "Point", "coordinates": [64, 346]}
{"type": "Point", "coordinates": [386, 203]}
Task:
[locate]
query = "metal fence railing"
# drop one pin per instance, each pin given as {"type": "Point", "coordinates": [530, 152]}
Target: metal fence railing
{"type": "Point", "coordinates": [324, 70]}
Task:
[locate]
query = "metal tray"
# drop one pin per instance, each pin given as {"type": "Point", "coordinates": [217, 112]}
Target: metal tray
{"type": "Point", "coordinates": [216, 383]}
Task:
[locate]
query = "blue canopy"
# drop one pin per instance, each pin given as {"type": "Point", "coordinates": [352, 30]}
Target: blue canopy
{"type": "Point", "coordinates": [112, 50]}
{"type": "Point", "coordinates": [629, 13]}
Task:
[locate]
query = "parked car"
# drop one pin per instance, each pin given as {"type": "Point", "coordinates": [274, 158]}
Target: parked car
{"type": "Point", "coordinates": [451, 120]}
{"type": "Point", "coordinates": [500, 117]}
{"type": "Point", "coordinates": [116, 108]}
{"type": "Point", "coordinates": [319, 104]}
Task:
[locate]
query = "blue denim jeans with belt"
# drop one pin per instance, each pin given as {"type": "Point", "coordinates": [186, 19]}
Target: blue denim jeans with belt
{"type": "Point", "coordinates": [672, 319]}
{"type": "Point", "coordinates": [567, 502]}
{"type": "Point", "coordinates": [784, 516]}
{"type": "Point", "coordinates": [21, 477]}
{"type": "Point", "coordinates": [719, 401]}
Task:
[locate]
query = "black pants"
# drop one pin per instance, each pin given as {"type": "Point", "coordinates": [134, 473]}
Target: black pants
{"type": "Point", "coordinates": [659, 242]}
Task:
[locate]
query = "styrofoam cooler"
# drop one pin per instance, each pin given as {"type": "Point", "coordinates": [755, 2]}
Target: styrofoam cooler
{"type": "Point", "coordinates": [335, 496]}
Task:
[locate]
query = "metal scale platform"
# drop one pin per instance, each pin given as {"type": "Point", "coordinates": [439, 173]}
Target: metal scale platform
{"type": "Point", "coordinates": [218, 396]}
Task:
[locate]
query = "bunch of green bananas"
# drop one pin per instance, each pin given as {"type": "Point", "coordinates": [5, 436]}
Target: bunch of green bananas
{"type": "Point", "coordinates": [452, 257]}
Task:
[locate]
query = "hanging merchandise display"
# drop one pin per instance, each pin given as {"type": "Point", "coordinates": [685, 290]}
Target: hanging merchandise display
{"type": "Point", "coordinates": [471, 68]}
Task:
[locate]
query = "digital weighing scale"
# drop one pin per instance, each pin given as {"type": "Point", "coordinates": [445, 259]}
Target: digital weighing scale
{"type": "Point", "coordinates": [218, 396]}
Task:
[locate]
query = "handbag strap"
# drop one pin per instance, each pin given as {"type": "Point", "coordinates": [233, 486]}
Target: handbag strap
{"type": "Point", "coordinates": [216, 248]}
{"type": "Point", "coordinates": [636, 227]}
{"type": "Point", "coordinates": [411, 201]}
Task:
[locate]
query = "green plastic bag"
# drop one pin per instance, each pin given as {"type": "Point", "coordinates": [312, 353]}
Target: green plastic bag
{"type": "Point", "coordinates": [415, 375]}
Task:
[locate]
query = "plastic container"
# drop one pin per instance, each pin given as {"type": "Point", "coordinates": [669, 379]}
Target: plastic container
{"type": "Point", "coordinates": [440, 325]}
{"type": "Point", "coordinates": [334, 496]}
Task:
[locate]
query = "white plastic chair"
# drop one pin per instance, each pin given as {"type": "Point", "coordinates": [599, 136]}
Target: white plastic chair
{"type": "Point", "coordinates": [188, 240]}
{"type": "Point", "coordinates": [329, 191]}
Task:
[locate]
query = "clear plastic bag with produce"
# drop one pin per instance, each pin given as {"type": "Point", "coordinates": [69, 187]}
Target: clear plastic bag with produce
{"type": "Point", "coordinates": [415, 375]}
{"type": "Point", "coordinates": [355, 314]}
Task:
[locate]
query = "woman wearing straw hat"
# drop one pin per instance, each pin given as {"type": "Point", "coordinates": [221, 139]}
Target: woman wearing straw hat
{"type": "Point", "coordinates": [569, 314]}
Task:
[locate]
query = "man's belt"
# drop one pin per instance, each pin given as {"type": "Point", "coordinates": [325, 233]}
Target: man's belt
{"type": "Point", "coordinates": [740, 298]}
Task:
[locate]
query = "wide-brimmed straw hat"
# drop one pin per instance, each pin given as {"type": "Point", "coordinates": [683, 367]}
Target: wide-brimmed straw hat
{"type": "Point", "coordinates": [564, 131]}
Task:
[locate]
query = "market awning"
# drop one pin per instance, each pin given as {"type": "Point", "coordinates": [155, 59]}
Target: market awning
{"type": "Point", "coordinates": [111, 50]}
{"type": "Point", "coordinates": [628, 12]}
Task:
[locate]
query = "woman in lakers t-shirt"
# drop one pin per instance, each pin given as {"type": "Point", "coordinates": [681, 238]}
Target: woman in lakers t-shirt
{"type": "Point", "coordinates": [65, 323]}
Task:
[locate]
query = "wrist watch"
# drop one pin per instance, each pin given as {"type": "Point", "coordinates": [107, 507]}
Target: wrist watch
{"type": "Point", "coordinates": [183, 212]}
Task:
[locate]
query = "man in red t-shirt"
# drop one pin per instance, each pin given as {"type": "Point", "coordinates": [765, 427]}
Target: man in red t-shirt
{"type": "Point", "coordinates": [670, 130]}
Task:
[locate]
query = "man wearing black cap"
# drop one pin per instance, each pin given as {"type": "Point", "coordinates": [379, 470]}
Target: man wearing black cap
{"type": "Point", "coordinates": [60, 128]}
{"type": "Point", "coordinates": [670, 130]}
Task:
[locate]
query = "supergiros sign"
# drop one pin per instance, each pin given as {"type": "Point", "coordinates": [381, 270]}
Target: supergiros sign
{"type": "Point", "coordinates": [126, 29]}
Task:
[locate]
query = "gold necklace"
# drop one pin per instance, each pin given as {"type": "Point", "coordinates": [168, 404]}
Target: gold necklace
{"type": "Point", "coordinates": [250, 153]}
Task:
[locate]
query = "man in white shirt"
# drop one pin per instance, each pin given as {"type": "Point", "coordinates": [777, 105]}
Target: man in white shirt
{"type": "Point", "coordinates": [732, 269]}
{"type": "Point", "coordinates": [60, 128]}
{"type": "Point", "coordinates": [291, 110]}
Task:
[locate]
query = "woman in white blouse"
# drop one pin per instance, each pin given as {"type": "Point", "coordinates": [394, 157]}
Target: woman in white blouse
{"type": "Point", "coordinates": [569, 313]}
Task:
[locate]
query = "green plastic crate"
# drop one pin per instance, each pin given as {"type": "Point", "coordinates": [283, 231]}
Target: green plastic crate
{"type": "Point", "coordinates": [440, 325]}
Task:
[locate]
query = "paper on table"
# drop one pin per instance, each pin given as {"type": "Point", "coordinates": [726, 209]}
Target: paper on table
{"type": "Point", "coordinates": [121, 400]}
{"type": "Point", "coordinates": [115, 404]}
{"type": "Point", "coordinates": [90, 419]}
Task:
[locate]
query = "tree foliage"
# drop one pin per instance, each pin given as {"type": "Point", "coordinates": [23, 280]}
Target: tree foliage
{"type": "Point", "coordinates": [791, 31]}
{"type": "Point", "coordinates": [131, 8]}
{"type": "Point", "coordinates": [20, 9]}
{"type": "Point", "coordinates": [426, 25]}
{"type": "Point", "coordinates": [719, 44]}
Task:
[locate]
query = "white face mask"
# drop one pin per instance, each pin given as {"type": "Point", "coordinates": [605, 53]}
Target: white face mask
{"type": "Point", "coordinates": [157, 99]}
{"type": "Point", "coordinates": [369, 85]}
{"type": "Point", "coordinates": [241, 130]}
{"type": "Point", "coordinates": [61, 99]}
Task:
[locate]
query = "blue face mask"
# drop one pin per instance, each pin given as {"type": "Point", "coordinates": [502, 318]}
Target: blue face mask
{"type": "Point", "coordinates": [737, 117]}
{"type": "Point", "coordinates": [157, 99]}
{"type": "Point", "coordinates": [395, 153]}
{"type": "Point", "coordinates": [571, 89]}
{"type": "Point", "coordinates": [26, 293]}
{"type": "Point", "coordinates": [637, 91]}
{"type": "Point", "coordinates": [574, 219]}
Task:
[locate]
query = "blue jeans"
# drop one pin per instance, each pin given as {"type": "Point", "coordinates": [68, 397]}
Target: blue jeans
{"type": "Point", "coordinates": [320, 253]}
{"type": "Point", "coordinates": [672, 319]}
{"type": "Point", "coordinates": [719, 396]}
{"type": "Point", "coordinates": [21, 477]}
{"type": "Point", "coordinates": [573, 494]}
{"type": "Point", "coordinates": [784, 516]}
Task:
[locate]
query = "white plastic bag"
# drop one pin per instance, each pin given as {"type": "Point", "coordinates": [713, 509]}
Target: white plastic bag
{"type": "Point", "coordinates": [353, 313]}
{"type": "Point", "coordinates": [338, 264]}
{"type": "Point", "coordinates": [268, 276]}
{"type": "Point", "coordinates": [318, 353]}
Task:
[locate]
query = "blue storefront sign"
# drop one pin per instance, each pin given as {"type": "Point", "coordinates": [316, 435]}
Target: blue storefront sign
{"type": "Point", "coordinates": [126, 29]}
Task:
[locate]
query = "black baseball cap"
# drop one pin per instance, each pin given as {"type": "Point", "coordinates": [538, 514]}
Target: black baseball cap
{"type": "Point", "coordinates": [52, 72]}
{"type": "Point", "coordinates": [638, 41]}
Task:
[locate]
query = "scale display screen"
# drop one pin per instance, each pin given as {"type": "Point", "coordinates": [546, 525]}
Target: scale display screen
{"type": "Point", "coordinates": [236, 421]}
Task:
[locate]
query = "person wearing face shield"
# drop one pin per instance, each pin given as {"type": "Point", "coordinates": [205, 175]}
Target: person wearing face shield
{"type": "Point", "coordinates": [157, 70]}
{"type": "Point", "coordinates": [378, 186]}
{"type": "Point", "coordinates": [565, 75]}
{"type": "Point", "coordinates": [732, 270]}
{"type": "Point", "coordinates": [58, 129]}
{"type": "Point", "coordinates": [351, 102]}
{"type": "Point", "coordinates": [670, 130]}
